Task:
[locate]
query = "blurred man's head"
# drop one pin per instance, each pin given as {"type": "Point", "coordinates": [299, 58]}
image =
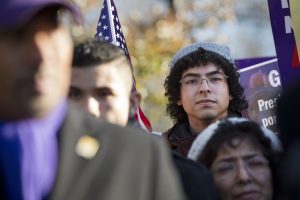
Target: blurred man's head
{"type": "Point", "coordinates": [35, 57]}
{"type": "Point", "coordinates": [102, 82]}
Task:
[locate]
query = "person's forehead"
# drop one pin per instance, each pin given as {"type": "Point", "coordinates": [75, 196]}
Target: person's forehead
{"type": "Point", "coordinates": [114, 69]}
{"type": "Point", "coordinates": [202, 69]}
{"type": "Point", "coordinates": [238, 148]}
{"type": "Point", "coordinates": [97, 76]}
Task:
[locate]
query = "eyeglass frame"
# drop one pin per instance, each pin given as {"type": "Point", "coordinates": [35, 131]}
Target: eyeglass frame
{"type": "Point", "coordinates": [200, 79]}
{"type": "Point", "coordinates": [252, 164]}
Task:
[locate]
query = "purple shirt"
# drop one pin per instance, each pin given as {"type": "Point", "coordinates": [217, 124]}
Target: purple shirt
{"type": "Point", "coordinates": [29, 155]}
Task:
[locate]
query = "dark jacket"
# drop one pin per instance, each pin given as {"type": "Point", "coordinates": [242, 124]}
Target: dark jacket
{"type": "Point", "coordinates": [180, 138]}
{"type": "Point", "coordinates": [196, 179]}
{"type": "Point", "coordinates": [288, 120]}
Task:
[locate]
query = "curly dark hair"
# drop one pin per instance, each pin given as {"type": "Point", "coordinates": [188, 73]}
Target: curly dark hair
{"type": "Point", "coordinates": [199, 58]}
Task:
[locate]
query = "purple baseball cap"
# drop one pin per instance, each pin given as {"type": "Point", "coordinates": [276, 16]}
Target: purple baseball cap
{"type": "Point", "coordinates": [14, 13]}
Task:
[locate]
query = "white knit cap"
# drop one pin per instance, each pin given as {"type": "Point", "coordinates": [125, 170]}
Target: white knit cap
{"type": "Point", "coordinates": [213, 47]}
{"type": "Point", "coordinates": [204, 137]}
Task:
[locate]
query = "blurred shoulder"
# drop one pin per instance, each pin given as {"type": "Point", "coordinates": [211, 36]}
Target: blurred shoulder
{"type": "Point", "coordinates": [187, 166]}
{"type": "Point", "coordinates": [110, 134]}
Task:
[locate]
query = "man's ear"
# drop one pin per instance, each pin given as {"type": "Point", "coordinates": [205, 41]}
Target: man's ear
{"type": "Point", "coordinates": [135, 100]}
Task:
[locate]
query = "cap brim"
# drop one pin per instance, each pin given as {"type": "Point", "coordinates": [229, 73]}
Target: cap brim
{"type": "Point", "coordinates": [17, 15]}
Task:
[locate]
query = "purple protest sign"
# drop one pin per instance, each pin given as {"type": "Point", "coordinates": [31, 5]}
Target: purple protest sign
{"type": "Point", "coordinates": [262, 88]}
{"type": "Point", "coordinates": [243, 63]}
{"type": "Point", "coordinates": [284, 39]}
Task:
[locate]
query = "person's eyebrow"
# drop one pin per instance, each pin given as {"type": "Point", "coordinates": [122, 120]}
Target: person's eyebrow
{"type": "Point", "coordinates": [105, 89]}
{"type": "Point", "coordinates": [249, 157]}
{"type": "Point", "coordinates": [191, 75]}
{"type": "Point", "coordinates": [213, 73]}
{"type": "Point", "coordinates": [74, 88]}
{"type": "Point", "coordinates": [225, 160]}
{"type": "Point", "coordinates": [199, 75]}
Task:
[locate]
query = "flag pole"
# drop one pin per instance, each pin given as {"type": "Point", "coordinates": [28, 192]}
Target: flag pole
{"type": "Point", "coordinates": [111, 21]}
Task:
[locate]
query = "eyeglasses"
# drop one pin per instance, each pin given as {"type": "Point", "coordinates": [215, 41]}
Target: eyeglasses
{"type": "Point", "coordinates": [212, 80]}
{"type": "Point", "coordinates": [251, 165]}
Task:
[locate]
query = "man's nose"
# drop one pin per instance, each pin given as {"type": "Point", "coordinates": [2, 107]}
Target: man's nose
{"type": "Point", "coordinates": [35, 47]}
{"type": "Point", "coordinates": [91, 105]}
{"type": "Point", "coordinates": [204, 86]}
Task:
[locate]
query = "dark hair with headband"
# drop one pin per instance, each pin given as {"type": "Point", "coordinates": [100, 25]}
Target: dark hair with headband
{"type": "Point", "coordinates": [207, 145]}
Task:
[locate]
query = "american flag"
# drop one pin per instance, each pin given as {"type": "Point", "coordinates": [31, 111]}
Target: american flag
{"type": "Point", "coordinates": [109, 29]}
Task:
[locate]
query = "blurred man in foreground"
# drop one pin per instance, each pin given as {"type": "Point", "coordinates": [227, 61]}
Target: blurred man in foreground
{"type": "Point", "coordinates": [49, 150]}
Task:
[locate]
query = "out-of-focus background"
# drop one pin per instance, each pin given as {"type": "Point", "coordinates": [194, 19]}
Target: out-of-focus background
{"type": "Point", "coordinates": [155, 29]}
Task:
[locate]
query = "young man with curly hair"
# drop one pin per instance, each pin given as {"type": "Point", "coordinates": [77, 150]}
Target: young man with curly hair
{"type": "Point", "coordinates": [202, 87]}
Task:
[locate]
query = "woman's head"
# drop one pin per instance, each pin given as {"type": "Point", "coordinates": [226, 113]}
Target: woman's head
{"type": "Point", "coordinates": [241, 156]}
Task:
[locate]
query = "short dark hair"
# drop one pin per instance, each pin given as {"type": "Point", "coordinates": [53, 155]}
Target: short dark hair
{"type": "Point", "coordinates": [195, 59]}
{"type": "Point", "coordinates": [94, 52]}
